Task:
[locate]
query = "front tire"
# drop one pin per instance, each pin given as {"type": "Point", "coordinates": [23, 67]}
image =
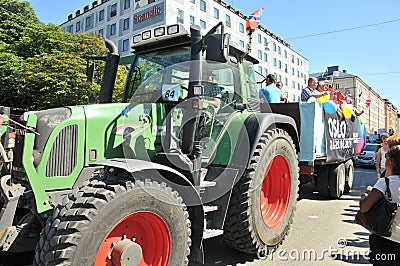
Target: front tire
{"type": "Point", "coordinates": [264, 200]}
{"type": "Point", "coordinates": [111, 220]}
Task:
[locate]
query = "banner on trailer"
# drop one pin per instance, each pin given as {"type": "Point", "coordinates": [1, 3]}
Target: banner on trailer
{"type": "Point", "coordinates": [345, 137]}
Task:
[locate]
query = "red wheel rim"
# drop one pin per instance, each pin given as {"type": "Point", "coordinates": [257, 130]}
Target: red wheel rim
{"type": "Point", "coordinates": [150, 232]}
{"type": "Point", "coordinates": [275, 191]}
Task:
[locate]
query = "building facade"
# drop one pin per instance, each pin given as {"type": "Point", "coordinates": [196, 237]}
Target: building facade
{"type": "Point", "coordinates": [379, 114]}
{"type": "Point", "coordinates": [120, 20]}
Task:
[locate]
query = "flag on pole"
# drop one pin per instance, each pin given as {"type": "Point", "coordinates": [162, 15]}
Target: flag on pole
{"type": "Point", "coordinates": [254, 19]}
{"type": "Point", "coordinates": [367, 103]}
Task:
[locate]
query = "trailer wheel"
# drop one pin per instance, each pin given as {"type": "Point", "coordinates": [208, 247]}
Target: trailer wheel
{"type": "Point", "coordinates": [264, 200]}
{"type": "Point", "coordinates": [349, 166]}
{"type": "Point", "coordinates": [323, 180]}
{"type": "Point", "coordinates": [114, 222]}
{"type": "Point", "coordinates": [337, 180]}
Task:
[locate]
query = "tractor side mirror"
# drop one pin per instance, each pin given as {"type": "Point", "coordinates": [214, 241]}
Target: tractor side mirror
{"type": "Point", "coordinates": [217, 47]}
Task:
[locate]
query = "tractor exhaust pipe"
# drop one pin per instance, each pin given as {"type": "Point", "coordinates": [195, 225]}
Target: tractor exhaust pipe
{"type": "Point", "coordinates": [110, 73]}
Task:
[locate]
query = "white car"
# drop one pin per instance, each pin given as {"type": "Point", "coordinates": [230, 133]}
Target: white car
{"type": "Point", "coordinates": [367, 156]}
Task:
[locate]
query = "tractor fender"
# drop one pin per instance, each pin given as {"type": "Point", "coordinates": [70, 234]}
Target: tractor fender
{"type": "Point", "coordinates": [254, 126]}
{"type": "Point", "coordinates": [140, 169]}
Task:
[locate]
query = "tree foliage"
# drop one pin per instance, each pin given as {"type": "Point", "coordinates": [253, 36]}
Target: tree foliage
{"type": "Point", "coordinates": [41, 66]}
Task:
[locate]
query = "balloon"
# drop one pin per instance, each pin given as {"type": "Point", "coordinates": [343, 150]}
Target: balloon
{"type": "Point", "coordinates": [329, 107]}
{"type": "Point", "coordinates": [347, 111]}
{"type": "Point", "coordinates": [323, 99]}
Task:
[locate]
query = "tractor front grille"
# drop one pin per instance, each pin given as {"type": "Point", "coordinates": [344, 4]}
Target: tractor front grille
{"type": "Point", "coordinates": [63, 154]}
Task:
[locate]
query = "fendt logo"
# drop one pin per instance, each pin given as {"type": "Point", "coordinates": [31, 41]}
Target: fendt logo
{"type": "Point", "coordinates": [149, 14]}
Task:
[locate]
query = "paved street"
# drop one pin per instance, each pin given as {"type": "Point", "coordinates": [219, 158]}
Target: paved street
{"type": "Point", "coordinates": [321, 227]}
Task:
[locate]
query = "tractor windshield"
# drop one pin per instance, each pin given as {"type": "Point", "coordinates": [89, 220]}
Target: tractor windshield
{"type": "Point", "coordinates": [149, 64]}
{"type": "Point", "coordinates": [164, 77]}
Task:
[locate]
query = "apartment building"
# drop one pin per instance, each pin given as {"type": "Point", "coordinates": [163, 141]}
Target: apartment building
{"type": "Point", "coordinates": [380, 116]}
{"type": "Point", "coordinates": [120, 20]}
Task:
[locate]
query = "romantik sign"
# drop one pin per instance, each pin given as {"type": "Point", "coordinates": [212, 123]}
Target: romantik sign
{"type": "Point", "coordinates": [149, 14]}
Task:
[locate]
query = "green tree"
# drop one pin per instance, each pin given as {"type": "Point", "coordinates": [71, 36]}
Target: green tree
{"type": "Point", "coordinates": [15, 16]}
{"type": "Point", "coordinates": [45, 67]}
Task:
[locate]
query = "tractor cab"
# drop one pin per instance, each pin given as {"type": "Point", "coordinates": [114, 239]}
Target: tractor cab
{"type": "Point", "coordinates": [194, 91]}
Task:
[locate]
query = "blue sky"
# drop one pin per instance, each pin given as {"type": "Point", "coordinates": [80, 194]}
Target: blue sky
{"type": "Point", "coordinates": [370, 52]}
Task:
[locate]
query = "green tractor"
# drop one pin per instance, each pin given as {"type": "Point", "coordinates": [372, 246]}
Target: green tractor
{"type": "Point", "coordinates": [185, 157]}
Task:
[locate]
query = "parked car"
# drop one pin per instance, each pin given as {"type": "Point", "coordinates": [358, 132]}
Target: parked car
{"type": "Point", "coordinates": [367, 156]}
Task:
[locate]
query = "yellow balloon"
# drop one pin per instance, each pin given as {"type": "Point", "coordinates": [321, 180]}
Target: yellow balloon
{"type": "Point", "coordinates": [323, 99]}
{"type": "Point", "coordinates": [347, 112]}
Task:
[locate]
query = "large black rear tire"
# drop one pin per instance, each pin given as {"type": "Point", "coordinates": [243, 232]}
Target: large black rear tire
{"type": "Point", "coordinates": [264, 200]}
{"type": "Point", "coordinates": [108, 213]}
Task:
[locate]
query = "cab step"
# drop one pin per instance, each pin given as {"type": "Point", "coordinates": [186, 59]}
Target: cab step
{"type": "Point", "coordinates": [210, 232]}
{"type": "Point", "coordinates": [210, 208]}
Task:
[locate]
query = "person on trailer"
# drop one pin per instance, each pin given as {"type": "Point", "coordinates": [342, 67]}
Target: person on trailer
{"type": "Point", "coordinates": [270, 94]}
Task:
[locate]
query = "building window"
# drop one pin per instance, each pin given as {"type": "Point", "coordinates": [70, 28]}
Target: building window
{"type": "Point", "coordinates": [202, 5]}
{"type": "Point", "coordinates": [260, 69]}
{"type": "Point", "coordinates": [241, 43]}
{"type": "Point", "coordinates": [228, 20]}
{"type": "Point", "coordinates": [193, 1]}
{"type": "Point", "coordinates": [191, 20]}
{"type": "Point", "coordinates": [265, 72]}
{"type": "Point", "coordinates": [292, 70]}
{"type": "Point", "coordinates": [279, 64]}
{"type": "Point", "coordinates": [113, 10]}
{"type": "Point", "coordinates": [127, 4]}
{"type": "Point", "coordinates": [87, 23]}
{"type": "Point", "coordinates": [274, 47]}
{"type": "Point", "coordinates": [126, 24]}
{"type": "Point", "coordinates": [101, 32]}
{"type": "Point", "coordinates": [265, 57]}
{"type": "Point", "coordinates": [293, 85]}
{"type": "Point", "coordinates": [286, 82]}
{"type": "Point", "coordinates": [241, 27]}
{"type": "Point", "coordinates": [265, 41]}
{"type": "Point", "coordinates": [280, 78]}
{"type": "Point", "coordinates": [125, 45]}
{"type": "Point", "coordinates": [203, 24]}
{"type": "Point", "coordinates": [274, 61]}
{"type": "Point", "coordinates": [216, 13]}
{"type": "Point", "coordinates": [285, 53]}
{"type": "Point", "coordinates": [298, 74]}
{"type": "Point", "coordinates": [71, 29]}
{"type": "Point", "coordinates": [259, 55]}
{"type": "Point", "coordinates": [180, 16]}
{"type": "Point", "coordinates": [78, 26]}
{"type": "Point", "coordinates": [101, 15]}
{"type": "Point", "coordinates": [298, 61]}
{"type": "Point", "coordinates": [293, 59]}
{"type": "Point", "coordinates": [298, 86]}
{"type": "Point", "coordinates": [279, 50]}
{"type": "Point", "coordinates": [259, 38]}
{"type": "Point", "coordinates": [113, 29]}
